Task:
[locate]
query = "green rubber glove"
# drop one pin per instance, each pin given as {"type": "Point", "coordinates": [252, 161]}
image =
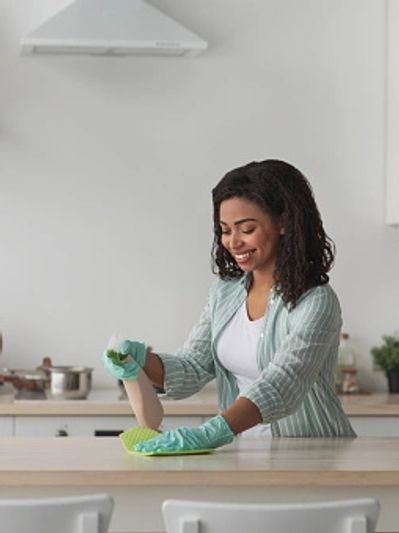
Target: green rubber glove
{"type": "Point", "coordinates": [136, 349]}
{"type": "Point", "coordinates": [125, 361]}
{"type": "Point", "coordinates": [212, 434]}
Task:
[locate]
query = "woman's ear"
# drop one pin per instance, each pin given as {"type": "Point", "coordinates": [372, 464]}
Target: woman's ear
{"type": "Point", "coordinates": [282, 230]}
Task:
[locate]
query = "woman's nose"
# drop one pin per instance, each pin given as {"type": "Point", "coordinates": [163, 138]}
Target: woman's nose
{"type": "Point", "coordinates": [235, 241]}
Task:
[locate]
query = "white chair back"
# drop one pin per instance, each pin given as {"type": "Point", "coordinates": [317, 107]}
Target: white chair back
{"type": "Point", "coordinates": [351, 516]}
{"type": "Point", "coordinates": [73, 514]}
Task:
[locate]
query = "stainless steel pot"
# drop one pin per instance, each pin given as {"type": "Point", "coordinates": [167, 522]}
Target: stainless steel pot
{"type": "Point", "coordinates": [68, 382]}
{"type": "Point", "coordinates": [26, 382]}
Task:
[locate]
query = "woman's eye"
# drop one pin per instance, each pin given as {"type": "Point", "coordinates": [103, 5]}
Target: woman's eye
{"type": "Point", "coordinates": [245, 231]}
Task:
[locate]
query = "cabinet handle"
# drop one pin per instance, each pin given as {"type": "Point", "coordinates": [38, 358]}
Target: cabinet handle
{"type": "Point", "coordinates": [61, 433]}
{"type": "Point", "coordinates": [107, 432]}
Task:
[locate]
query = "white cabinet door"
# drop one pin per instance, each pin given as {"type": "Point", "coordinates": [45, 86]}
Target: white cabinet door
{"type": "Point", "coordinates": [375, 426]}
{"type": "Point", "coordinates": [6, 426]}
{"type": "Point", "coordinates": [74, 426]}
{"type": "Point", "coordinates": [172, 422]}
{"type": "Point", "coordinates": [87, 426]}
{"type": "Point", "coordinates": [90, 426]}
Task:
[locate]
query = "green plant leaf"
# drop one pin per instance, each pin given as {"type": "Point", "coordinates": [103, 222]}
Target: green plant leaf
{"type": "Point", "coordinates": [116, 357]}
{"type": "Point", "coordinates": [386, 356]}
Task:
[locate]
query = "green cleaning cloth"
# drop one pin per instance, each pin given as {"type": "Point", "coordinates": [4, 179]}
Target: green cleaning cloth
{"type": "Point", "coordinates": [133, 436]}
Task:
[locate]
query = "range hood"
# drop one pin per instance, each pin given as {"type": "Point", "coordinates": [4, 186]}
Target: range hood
{"type": "Point", "coordinates": [112, 28]}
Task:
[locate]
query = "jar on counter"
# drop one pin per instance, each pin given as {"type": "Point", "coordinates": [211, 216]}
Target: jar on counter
{"type": "Point", "coordinates": [346, 374]}
{"type": "Point", "coordinates": [349, 381]}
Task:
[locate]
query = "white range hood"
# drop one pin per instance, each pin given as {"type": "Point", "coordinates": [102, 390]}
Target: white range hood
{"type": "Point", "coordinates": [112, 28]}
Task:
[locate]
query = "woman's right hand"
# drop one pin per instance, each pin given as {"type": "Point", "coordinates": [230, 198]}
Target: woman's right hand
{"type": "Point", "coordinates": [125, 368]}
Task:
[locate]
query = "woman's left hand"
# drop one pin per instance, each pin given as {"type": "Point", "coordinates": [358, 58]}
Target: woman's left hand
{"type": "Point", "coordinates": [212, 434]}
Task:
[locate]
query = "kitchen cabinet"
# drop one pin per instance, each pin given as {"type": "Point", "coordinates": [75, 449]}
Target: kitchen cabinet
{"type": "Point", "coordinates": [6, 426]}
{"type": "Point", "coordinates": [375, 426]}
{"type": "Point", "coordinates": [371, 415]}
{"type": "Point", "coordinates": [102, 414]}
{"type": "Point", "coordinates": [73, 426]}
{"type": "Point", "coordinates": [86, 426]}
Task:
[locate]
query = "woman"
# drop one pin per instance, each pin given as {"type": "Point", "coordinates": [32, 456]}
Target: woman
{"type": "Point", "coordinates": [270, 330]}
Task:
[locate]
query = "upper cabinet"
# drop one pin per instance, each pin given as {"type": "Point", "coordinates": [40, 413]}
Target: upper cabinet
{"type": "Point", "coordinates": [392, 114]}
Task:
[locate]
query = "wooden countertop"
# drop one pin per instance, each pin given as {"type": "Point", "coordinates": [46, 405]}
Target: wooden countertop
{"type": "Point", "coordinates": [102, 461]}
{"type": "Point", "coordinates": [105, 402]}
{"type": "Point", "coordinates": [375, 404]}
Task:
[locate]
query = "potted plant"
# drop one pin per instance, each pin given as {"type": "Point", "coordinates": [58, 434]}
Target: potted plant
{"type": "Point", "coordinates": [386, 357]}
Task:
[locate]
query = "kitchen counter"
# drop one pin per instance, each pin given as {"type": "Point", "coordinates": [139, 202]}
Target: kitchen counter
{"type": "Point", "coordinates": [105, 402]}
{"type": "Point", "coordinates": [375, 404]}
{"type": "Point", "coordinates": [285, 461]}
{"type": "Point", "coordinates": [251, 470]}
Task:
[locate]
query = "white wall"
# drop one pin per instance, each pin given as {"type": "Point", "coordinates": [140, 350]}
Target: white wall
{"type": "Point", "coordinates": [106, 168]}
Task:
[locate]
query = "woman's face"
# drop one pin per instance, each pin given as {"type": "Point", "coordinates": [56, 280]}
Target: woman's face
{"type": "Point", "coordinates": [249, 235]}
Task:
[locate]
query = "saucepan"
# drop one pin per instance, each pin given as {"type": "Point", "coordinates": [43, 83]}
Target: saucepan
{"type": "Point", "coordinates": [55, 382]}
{"type": "Point", "coordinates": [25, 381]}
{"type": "Point", "coordinates": [68, 382]}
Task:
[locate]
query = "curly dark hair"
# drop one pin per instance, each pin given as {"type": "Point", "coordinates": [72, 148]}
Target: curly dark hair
{"type": "Point", "coordinates": [305, 253]}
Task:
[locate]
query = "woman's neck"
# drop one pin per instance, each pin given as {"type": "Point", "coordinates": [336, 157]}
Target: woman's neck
{"type": "Point", "coordinates": [261, 282]}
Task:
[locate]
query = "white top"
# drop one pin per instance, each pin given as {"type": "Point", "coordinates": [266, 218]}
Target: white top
{"type": "Point", "coordinates": [236, 350]}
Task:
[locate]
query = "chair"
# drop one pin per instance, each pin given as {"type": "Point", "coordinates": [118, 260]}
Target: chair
{"type": "Point", "coordinates": [351, 516]}
{"type": "Point", "coordinates": [72, 514]}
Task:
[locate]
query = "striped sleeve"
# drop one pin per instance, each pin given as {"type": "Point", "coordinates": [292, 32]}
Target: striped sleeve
{"type": "Point", "coordinates": [192, 367]}
{"type": "Point", "coordinates": [282, 386]}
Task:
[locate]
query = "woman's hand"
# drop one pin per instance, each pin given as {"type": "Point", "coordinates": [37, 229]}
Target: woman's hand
{"type": "Point", "coordinates": [136, 349]}
{"type": "Point", "coordinates": [212, 434]}
{"type": "Point", "coordinates": [125, 361]}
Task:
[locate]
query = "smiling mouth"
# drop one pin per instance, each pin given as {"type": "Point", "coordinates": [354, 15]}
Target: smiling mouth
{"type": "Point", "coordinates": [242, 258]}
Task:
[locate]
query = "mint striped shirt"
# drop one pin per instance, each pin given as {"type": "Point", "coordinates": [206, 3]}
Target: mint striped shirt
{"type": "Point", "coordinates": [296, 355]}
